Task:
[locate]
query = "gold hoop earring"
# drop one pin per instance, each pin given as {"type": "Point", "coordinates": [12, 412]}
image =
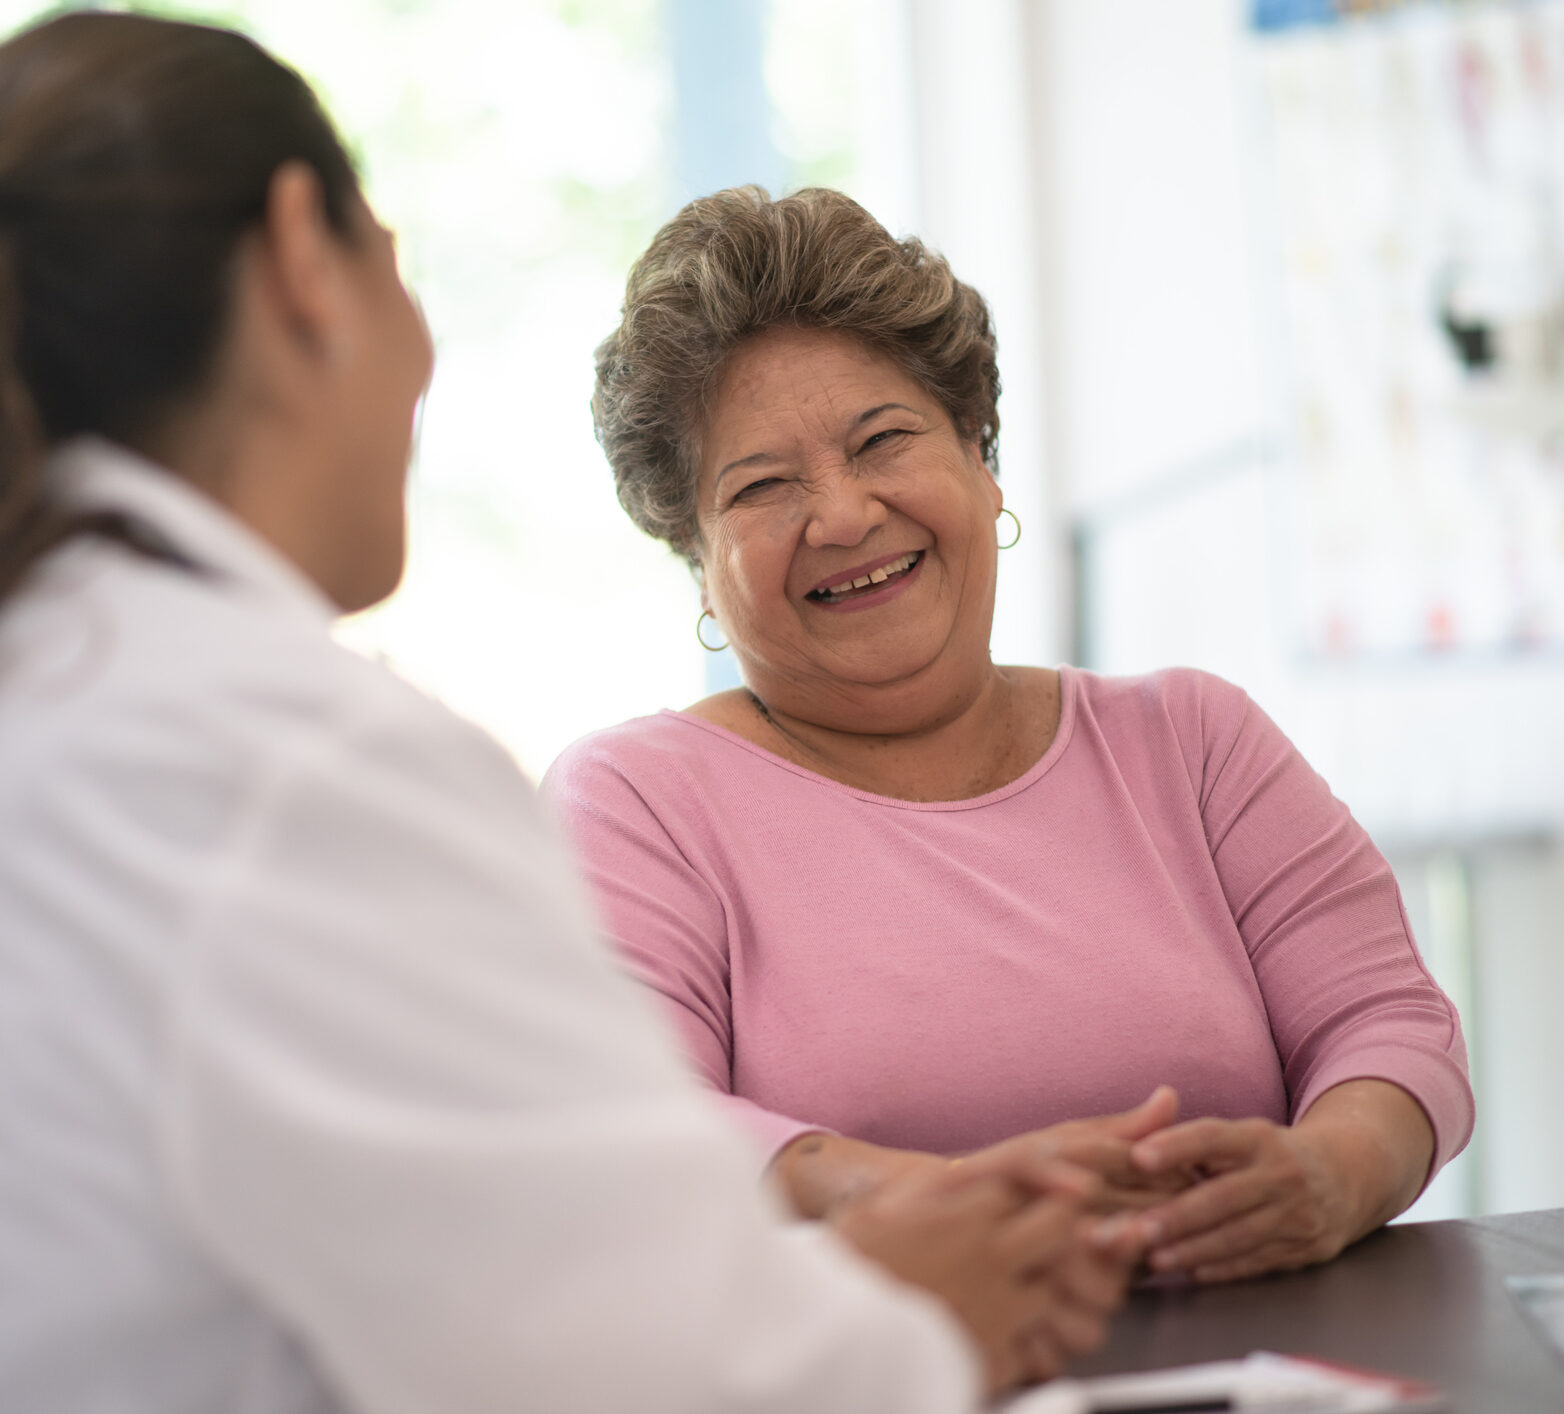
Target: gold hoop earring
{"type": "Point", "coordinates": [1014, 520]}
{"type": "Point", "coordinates": [707, 614]}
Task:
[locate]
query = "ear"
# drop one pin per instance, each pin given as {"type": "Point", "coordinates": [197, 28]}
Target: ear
{"type": "Point", "coordinates": [990, 482]}
{"type": "Point", "coordinates": [303, 257]}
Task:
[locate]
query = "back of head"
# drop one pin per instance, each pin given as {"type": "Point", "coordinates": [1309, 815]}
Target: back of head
{"type": "Point", "coordinates": [134, 154]}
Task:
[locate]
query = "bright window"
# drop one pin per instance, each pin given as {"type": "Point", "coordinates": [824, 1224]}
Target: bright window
{"type": "Point", "coordinates": [520, 150]}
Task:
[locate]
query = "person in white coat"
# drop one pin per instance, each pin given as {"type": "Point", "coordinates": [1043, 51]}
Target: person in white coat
{"type": "Point", "coordinates": [316, 1090]}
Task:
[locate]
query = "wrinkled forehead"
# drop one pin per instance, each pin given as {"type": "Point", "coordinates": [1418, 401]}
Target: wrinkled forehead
{"type": "Point", "coordinates": [796, 383]}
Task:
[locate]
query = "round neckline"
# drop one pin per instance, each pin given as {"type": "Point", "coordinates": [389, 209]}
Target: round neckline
{"type": "Point", "coordinates": [1068, 691]}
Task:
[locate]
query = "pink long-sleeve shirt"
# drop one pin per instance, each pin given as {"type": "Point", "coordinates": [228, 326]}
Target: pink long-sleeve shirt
{"type": "Point", "coordinates": [1170, 894]}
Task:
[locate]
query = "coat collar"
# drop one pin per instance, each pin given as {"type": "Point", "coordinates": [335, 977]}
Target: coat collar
{"type": "Point", "coordinates": [91, 473]}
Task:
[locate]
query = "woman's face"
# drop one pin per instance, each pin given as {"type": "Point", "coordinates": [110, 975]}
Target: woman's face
{"type": "Point", "coordinates": [847, 531]}
{"type": "Point", "coordinates": [385, 369]}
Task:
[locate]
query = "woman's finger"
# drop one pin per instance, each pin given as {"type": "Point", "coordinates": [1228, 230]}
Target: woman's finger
{"type": "Point", "coordinates": [1093, 1278]}
{"type": "Point", "coordinates": [1039, 1234]}
{"type": "Point", "coordinates": [1121, 1183]}
{"type": "Point", "coordinates": [1100, 1153]}
{"type": "Point", "coordinates": [1205, 1206]}
{"type": "Point", "coordinates": [1039, 1354]}
{"type": "Point", "coordinates": [1030, 1168]}
{"type": "Point", "coordinates": [1157, 1111]}
{"type": "Point", "coordinates": [1006, 1366]}
{"type": "Point", "coordinates": [1300, 1228]}
{"type": "Point", "coordinates": [1243, 1234]}
{"type": "Point", "coordinates": [1214, 1143]}
{"type": "Point", "coordinates": [1151, 1191]}
{"type": "Point", "coordinates": [1268, 1258]}
{"type": "Point", "coordinates": [1075, 1330]}
{"type": "Point", "coordinates": [1119, 1237]}
{"type": "Point", "coordinates": [1124, 1185]}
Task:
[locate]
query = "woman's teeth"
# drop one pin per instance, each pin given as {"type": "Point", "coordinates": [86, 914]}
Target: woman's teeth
{"type": "Point", "coordinates": [833, 592]}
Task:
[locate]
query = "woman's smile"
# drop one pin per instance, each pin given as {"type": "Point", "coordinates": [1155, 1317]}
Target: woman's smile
{"type": "Point", "coordinates": [867, 586]}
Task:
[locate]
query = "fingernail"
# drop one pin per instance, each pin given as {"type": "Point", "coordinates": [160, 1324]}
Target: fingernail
{"type": "Point", "coordinates": [1108, 1232]}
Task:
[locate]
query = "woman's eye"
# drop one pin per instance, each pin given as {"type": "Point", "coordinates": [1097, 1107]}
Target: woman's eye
{"type": "Point", "coordinates": [881, 438]}
{"type": "Point", "coordinates": [745, 491]}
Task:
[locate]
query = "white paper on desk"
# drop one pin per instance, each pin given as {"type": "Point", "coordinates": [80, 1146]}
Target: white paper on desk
{"type": "Point", "coordinates": [1262, 1381]}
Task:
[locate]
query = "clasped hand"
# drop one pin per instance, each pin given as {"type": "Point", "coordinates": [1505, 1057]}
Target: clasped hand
{"type": "Point", "coordinates": [1006, 1242]}
{"type": "Point", "coordinates": [1217, 1199]}
{"type": "Point", "coordinates": [1271, 1198]}
{"type": "Point", "coordinates": [1030, 1241]}
{"type": "Point", "coordinates": [1104, 1146]}
{"type": "Point", "coordinates": [1268, 1200]}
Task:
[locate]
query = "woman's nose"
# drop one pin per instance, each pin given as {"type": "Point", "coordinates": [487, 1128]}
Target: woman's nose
{"type": "Point", "coordinates": [843, 510]}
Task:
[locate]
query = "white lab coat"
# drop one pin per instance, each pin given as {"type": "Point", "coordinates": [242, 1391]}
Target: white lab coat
{"type": "Point", "coordinates": [315, 1090]}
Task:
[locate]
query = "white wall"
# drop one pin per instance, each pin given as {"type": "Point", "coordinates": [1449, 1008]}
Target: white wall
{"type": "Point", "coordinates": [1154, 311]}
{"type": "Point", "coordinates": [977, 201]}
{"type": "Point", "coordinates": [1160, 433]}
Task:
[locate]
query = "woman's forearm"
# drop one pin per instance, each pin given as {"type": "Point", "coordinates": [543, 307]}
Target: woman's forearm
{"type": "Point", "coordinates": [817, 1171]}
{"type": "Point", "coordinates": [1380, 1144]}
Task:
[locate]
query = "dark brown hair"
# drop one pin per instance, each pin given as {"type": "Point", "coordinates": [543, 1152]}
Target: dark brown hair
{"type": "Point", "coordinates": [134, 154]}
{"type": "Point", "coordinates": [730, 265]}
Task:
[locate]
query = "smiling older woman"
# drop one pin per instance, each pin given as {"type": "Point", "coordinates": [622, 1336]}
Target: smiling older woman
{"type": "Point", "coordinates": [905, 903]}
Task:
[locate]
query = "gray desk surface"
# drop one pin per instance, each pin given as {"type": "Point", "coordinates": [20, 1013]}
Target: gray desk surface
{"type": "Point", "coordinates": [1422, 1299]}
